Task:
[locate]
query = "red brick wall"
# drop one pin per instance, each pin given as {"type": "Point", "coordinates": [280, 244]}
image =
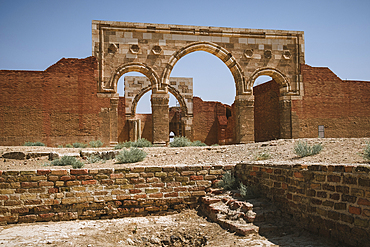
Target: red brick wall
{"type": "Point", "coordinates": [330, 200]}
{"type": "Point", "coordinates": [266, 111]}
{"type": "Point", "coordinates": [343, 107]}
{"type": "Point", "coordinates": [205, 121]}
{"type": "Point", "coordinates": [146, 126]}
{"type": "Point", "coordinates": [55, 106]}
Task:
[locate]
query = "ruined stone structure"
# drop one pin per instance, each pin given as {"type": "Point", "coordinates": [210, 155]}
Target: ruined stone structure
{"type": "Point", "coordinates": [154, 49]}
{"type": "Point", "coordinates": [136, 87]}
{"type": "Point", "coordinates": [76, 100]}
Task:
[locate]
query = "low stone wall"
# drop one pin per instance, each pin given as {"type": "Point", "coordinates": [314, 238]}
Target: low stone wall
{"type": "Point", "coordinates": [53, 195]}
{"type": "Point", "coordinates": [330, 200]}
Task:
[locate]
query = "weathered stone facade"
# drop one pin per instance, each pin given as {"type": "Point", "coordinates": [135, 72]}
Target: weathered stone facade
{"type": "Point", "coordinates": [154, 49]}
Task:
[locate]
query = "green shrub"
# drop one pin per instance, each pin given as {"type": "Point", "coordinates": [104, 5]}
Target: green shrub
{"type": "Point", "coordinates": [127, 144]}
{"type": "Point", "coordinates": [96, 144]}
{"type": "Point", "coordinates": [180, 141]}
{"type": "Point", "coordinates": [60, 146]}
{"type": "Point", "coordinates": [69, 146]}
{"type": "Point", "coordinates": [198, 144]}
{"type": "Point", "coordinates": [68, 161]}
{"type": "Point", "coordinates": [215, 145]}
{"type": "Point", "coordinates": [34, 144]}
{"type": "Point", "coordinates": [228, 181]}
{"type": "Point", "coordinates": [302, 149]}
{"type": "Point", "coordinates": [93, 159]}
{"type": "Point", "coordinates": [142, 142]}
{"type": "Point", "coordinates": [264, 155]}
{"type": "Point", "coordinates": [131, 156]}
{"type": "Point", "coordinates": [366, 153]}
{"type": "Point", "coordinates": [119, 145]}
{"type": "Point", "coordinates": [248, 192]}
{"type": "Point", "coordinates": [79, 145]}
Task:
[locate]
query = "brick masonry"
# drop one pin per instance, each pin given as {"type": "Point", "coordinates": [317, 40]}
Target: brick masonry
{"type": "Point", "coordinates": [56, 106]}
{"type": "Point", "coordinates": [341, 106]}
{"type": "Point", "coordinates": [330, 200]}
{"type": "Point", "coordinates": [53, 195]}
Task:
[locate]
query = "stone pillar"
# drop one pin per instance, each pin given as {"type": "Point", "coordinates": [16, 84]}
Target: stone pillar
{"type": "Point", "coordinates": [134, 131]}
{"type": "Point", "coordinates": [244, 118]}
{"type": "Point", "coordinates": [160, 118]}
{"type": "Point", "coordinates": [113, 112]}
{"type": "Point", "coordinates": [285, 110]}
{"type": "Point", "coordinates": [187, 123]}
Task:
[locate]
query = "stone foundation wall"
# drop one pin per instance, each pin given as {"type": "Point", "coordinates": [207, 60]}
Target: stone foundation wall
{"type": "Point", "coordinates": [330, 200]}
{"type": "Point", "coordinates": [53, 195]}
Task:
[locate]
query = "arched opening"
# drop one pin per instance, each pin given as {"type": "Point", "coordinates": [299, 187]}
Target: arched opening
{"type": "Point", "coordinates": [214, 91]}
{"type": "Point", "coordinates": [131, 126]}
{"type": "Point", "coordinates": [266, 109]}
{"type": "Point", "coordinates": [135, 118]}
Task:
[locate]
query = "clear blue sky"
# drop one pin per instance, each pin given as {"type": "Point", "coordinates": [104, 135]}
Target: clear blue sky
{"type": "Point", "coordinates": [35, 34]}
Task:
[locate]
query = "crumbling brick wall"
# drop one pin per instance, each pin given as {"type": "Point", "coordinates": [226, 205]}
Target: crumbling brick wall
{"type": "Point", "coordinates": [206, 122]}
{"type": "Point", "coordinates": [329, 200]}
{"type": "Point", "coordinates": [55, 106]}
{"type": "Point", "coordinates": [342, 107]}
{"type": "Point", "coordinates": [62, 194]}
{"type": "Point", "coordinates": [266, 111]}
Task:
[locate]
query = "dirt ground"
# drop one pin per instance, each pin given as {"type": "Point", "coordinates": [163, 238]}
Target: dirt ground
{"type": "Point", "coordinates": [335, 151]}
{"type": "Point", "coordinates": [186, 228]}
{"type": "Point", "coordinates": [183, 229]}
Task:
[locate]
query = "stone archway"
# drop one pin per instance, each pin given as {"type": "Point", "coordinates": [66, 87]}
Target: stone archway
{"type": "Point", "coordinates": [154, 49]}
{"type": "Point", "coordinates": [220, 52]}
{"type": "Point", "coordinates": [284, 110]}
{"type": "Point", "coordinates": [180, 88]}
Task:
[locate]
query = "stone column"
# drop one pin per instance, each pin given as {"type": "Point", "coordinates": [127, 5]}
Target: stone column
{"type": "Point", "coordinates": [160, 118]}
{"type": "Point", "coordinates": [113, 112]}
{"type": "Point", "coordinates": [134, 131]}
{"type": "Point", "coordinates": [244, 118]}
{"type": "Point", "coordinates": [187, 123]}
{"type": "Point", "coordinates": [285, 110]}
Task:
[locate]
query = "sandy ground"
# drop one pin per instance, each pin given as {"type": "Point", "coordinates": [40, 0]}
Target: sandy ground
{"type": "Point", "coordinates": [183, 229]}
{"type": "Point", "coordinates": [335, 151]}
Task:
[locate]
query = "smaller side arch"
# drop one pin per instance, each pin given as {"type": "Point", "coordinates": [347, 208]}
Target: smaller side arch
{"type": "Point", "coordinates": [277, 75]}
{"type": "Point", "coordinates": [132, 67]}
{"type": "Point", "coordinates": [137, 98]}
{"type": "Point", "coordinates": [180, 98]}
{"type": "Point", "coordinates": [171, 89]}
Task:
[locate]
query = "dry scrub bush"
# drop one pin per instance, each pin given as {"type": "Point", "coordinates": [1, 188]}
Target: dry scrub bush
{"type": "Point", "coordinates": [96, 144]}
{"type": "Point", "coordinates": [264, 155]}
{"type": "Point", "coordinates": [132, 156]}
{"type": "Point", "coordinates": [182, 141]}
{"type": "Point", "coordinates": [302, 149]}
{"type": "Point", "coordinates": [228, 181]}
{"type": "Point", "coordinates": [34, 144]}
{"type": "Point", "coordinates": [142, 142]}
{"type": "Point", "coordinates": [79, 145]}
{"type": "Point", "coordinates": [68, 161]}
{"type": "Point", "coordinates": [366, 152]}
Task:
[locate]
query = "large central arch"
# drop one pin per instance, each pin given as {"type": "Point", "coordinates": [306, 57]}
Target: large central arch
{"type": "Point", "coordinates": [220, 52]}
{"type": "Point", "coordinates": [153, 49]}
